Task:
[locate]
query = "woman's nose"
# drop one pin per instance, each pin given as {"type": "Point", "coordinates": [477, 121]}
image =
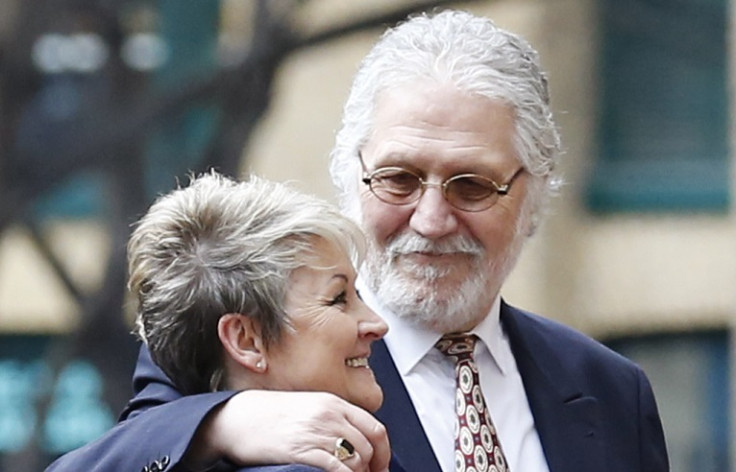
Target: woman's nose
{"type": "Point", "coordinates": [371, 325]}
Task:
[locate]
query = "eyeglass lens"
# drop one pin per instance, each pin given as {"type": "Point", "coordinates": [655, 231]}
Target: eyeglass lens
{"type": "Point", "coordinates": [466, 191]}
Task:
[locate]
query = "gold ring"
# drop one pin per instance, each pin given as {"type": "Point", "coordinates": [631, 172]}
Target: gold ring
{"type": "Point", "coordinates": [343, 449]}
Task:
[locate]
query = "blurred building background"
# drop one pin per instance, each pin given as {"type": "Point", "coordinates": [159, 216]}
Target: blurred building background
{"type": "Point", "coordinates": [106, 103]}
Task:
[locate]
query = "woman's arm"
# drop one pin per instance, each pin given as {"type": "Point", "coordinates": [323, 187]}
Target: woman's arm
{"type": "Point", "coordinates": [250, 427]}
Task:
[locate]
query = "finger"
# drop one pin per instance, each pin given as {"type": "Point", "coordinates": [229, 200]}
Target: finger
{"type": "Point", "coordinates": [372, 439]}
{"type": "Point", "coordinates": [328, 462]}
{"type": "Point", "coordinates": [347, 421]}
{"type": "Point", "coordinates": [381, 450]}
{"type": "Point", "coordinates": [357, 463]}
{"type": "Point", "coordinates": [362, 448]}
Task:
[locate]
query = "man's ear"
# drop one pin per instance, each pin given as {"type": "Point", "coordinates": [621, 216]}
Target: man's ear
{"type": "Point", "coordinates": [241, 339]}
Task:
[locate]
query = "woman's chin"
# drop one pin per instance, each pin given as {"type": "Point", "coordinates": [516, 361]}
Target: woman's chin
{"type": "Point", "coordinates": [370, 399]}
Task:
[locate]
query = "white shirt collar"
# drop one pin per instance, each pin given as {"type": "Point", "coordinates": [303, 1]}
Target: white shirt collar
{"type": "Point", "coordinates": [410, 343]}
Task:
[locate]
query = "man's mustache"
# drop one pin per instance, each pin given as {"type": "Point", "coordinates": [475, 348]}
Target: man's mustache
{"type": "Point", "coordinates": [407, 243]}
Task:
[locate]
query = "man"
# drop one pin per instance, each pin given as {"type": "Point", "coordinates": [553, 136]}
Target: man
{"type": "Point", "coordinates": [447, 158]}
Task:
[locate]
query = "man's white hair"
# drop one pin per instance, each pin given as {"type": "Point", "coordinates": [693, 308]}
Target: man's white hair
{"type": "Point", "coordinates": [477, 57]}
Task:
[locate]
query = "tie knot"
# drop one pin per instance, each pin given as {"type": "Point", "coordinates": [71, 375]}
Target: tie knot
{"type": "Point", "coordinates": [459, 345]}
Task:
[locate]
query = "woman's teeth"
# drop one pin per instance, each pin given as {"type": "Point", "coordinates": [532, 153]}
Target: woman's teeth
{"type": "Point", "coordinates": [357, 362]}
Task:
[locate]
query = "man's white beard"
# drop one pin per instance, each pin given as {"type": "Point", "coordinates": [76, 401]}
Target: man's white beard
{"type": "Point", "coordinates": [421, 293]}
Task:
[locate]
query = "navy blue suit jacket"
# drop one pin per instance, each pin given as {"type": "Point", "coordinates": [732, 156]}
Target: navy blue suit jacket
{"type": "Point", "coordinates": [593, 410]}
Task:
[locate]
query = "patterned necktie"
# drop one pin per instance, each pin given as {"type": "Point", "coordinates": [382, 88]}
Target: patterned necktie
{"type": "Point", "coordinates": [476, 445]}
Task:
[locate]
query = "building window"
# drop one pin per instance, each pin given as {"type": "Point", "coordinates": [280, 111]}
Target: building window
{"type": "Point", "coordinates": [46, 411]}
{"type": "Point", "coordinates": [663, 109]}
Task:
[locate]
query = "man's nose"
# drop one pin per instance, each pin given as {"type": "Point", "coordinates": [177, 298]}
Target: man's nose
{"type": "Point", "coordinates": [433, 216]}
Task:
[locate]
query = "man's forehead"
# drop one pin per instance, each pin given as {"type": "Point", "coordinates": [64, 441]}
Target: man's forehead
{"type": "Point", "coordinates": [425, 130]}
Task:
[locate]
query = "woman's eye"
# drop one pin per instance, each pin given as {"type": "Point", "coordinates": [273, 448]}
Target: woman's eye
{"type": "Point", "coordinates": [340, 299]}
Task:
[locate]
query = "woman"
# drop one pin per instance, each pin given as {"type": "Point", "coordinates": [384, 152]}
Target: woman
{"type": "Point", "coordinates": [250, 285]}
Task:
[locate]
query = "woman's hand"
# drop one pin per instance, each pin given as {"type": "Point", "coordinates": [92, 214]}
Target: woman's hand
{"type": "Point", "coordinates": [274, 427]}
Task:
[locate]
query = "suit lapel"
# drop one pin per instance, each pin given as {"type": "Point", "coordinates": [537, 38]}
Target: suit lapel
{"type": "Point", "coordinates": [409, 444]}
{"type": "Point", "coordinates": [567, 421]}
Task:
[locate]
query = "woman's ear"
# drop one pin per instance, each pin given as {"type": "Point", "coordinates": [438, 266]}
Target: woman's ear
{"type": "Point", "coordinates": [241, 339]}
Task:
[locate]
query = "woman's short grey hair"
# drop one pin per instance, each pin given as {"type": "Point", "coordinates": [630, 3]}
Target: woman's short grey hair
{"type": "Point", "coordinates": [477, 57]}
{"type": "Point", "coordinates": [217, 247]}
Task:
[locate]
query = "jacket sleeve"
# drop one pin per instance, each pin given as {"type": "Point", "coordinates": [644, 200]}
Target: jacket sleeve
{"type": "Point", "coordinates": [151, 387]}
{"type": "Point", "coordinates": [653, 447]}
{"type": "Point", "coordinates": [154, 431]}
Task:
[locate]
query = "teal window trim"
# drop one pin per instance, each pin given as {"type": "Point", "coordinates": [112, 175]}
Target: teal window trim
{"type": "Point", "coordinates": [178, 145]}
{"type": "Point", "coordinates": [77, 411]}
{"type": "Point", "coordinates": [663, 116]}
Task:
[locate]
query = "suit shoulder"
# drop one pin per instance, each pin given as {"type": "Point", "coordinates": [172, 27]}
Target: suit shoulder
{"type": "Point", "coordinates": [573, 347]}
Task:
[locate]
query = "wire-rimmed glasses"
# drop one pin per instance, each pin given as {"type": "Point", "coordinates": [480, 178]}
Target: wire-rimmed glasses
{"type": "Point", "coordinates": [466, 192]}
